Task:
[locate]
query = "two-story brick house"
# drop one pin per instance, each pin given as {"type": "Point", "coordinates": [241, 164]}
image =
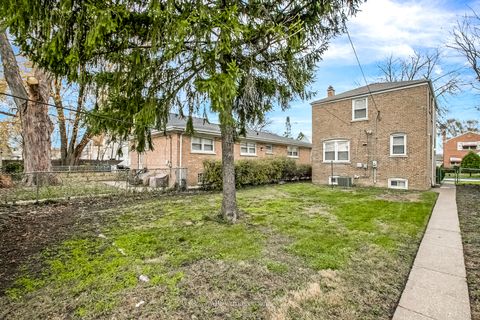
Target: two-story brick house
{"type": "Point", "coordinates": [381, 135]}
{"type": "Point", "coordinates": [454, 149]}
{"type": "Point", "coordinates": [175, 149]}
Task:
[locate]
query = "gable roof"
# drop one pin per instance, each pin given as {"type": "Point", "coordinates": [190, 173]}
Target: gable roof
{"type": "Point", "coordinates": [468, 132]}
{"type": "Point", "coordinates": [202, 126]}
{"type": "Point", "coordinates": [374, 88]}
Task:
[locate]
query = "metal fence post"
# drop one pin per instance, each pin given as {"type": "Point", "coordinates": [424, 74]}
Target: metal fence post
{"type": "Point", "coordinates": [37, 187]}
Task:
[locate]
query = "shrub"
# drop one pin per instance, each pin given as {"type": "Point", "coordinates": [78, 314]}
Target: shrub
{"type": "Point", "coordinates": [471, 160]}
{"type": "Point", "coordinates": [13, 167]}
{"type": "Point", "coordinates": [256, 172]}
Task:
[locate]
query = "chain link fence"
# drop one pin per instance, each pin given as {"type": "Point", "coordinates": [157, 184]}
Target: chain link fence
{"type": "Point", "coordinates": [55, 185]}
{"type": "Point", "coordinates": [458, 175]}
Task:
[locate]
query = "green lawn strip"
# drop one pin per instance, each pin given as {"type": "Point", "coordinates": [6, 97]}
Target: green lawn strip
{"type": "Point", "coordinates": [325, 228]}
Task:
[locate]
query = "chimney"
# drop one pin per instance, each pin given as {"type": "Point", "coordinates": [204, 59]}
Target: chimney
{"type": "Point", "coordinates": [330, 91]}
{"type": "Point", "coordinates": [444, 135]}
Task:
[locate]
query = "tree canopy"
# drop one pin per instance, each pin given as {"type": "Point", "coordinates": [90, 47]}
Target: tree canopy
{"type": "Point", "coordinates": [237, 59]}
{"type": "Point", "coordinates": [151, 57]}
{"type": "Point", "coordinates": [471, 160]}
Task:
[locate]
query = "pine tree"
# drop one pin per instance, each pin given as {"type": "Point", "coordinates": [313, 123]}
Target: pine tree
{"type": "Point", "coordinates": [237, 59]}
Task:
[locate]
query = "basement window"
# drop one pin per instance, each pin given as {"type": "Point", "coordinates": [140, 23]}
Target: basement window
{"type": "Point", "coordinates": [398, 183]}
{"type": "Point", "coordinates": [333, 180]}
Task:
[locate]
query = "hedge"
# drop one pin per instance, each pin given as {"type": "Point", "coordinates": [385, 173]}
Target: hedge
{"type": "Point", "coordinates": [256, 172]}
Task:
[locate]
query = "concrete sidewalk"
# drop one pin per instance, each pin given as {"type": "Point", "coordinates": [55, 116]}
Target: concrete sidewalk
{"type": "Point", "coordinates": [437, 287]}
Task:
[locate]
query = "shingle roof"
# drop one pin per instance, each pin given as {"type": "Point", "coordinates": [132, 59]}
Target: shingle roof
{"type": "Point", "coordinates": [374, 88]}
{"type": "Point", "coordinates": [200, 125]}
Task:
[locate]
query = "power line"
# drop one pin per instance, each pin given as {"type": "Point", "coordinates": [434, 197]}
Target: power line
{"type": "Point", "coordinates": [361, 69]}
{"type": "Point", "coordinates": [66, 108]}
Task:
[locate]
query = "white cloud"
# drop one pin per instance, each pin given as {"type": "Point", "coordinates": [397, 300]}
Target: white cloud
{"type": "Point", "coordinates": [385, 27]}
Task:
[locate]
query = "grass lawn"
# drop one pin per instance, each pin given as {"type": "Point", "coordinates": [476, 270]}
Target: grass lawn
{"type": "Point", "coordinates": [468, 203]}
{"type": "Point", "coordinates": [300, 251]}
{"type": "Point", "coordinates": [75, 189]}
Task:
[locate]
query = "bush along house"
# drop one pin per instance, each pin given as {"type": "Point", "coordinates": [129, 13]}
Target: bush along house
{"type": "Point", "coordinates": [381, 135]}
{"type": "Point", "coordinates": [175, 149]}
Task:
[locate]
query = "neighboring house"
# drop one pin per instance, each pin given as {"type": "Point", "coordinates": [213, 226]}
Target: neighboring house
{"type": "Point", "coordinates": [454, 149]}
{"type": "Point", "coordinates": [175, 149]}
{"type": "Point", "coordinates": [382, 135]}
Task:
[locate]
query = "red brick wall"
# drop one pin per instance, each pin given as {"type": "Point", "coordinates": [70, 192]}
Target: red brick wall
{"type": "Point", "coordinates": [168, 147]}
{"type": "Point", "coordinates": [406, 111]}
{"type": "Point", "coordinates": [450, 147]}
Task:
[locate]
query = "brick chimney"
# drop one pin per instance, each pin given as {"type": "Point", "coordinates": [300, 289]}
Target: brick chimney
{"type": "Point", "coordinates": [444, 135]}
{"type": "Point", "coordinates": [330, 91]}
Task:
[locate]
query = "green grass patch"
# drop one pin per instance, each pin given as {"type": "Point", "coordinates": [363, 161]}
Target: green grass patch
{"type": "Point", "coordinates": [166, 239]}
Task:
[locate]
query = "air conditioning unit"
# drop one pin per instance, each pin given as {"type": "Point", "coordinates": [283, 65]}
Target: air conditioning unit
{"type": "Point", "coordinates": [344, 182]}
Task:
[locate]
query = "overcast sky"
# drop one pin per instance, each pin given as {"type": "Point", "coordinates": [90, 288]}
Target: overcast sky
{"type": "Point", "coordinates": [382, 28]}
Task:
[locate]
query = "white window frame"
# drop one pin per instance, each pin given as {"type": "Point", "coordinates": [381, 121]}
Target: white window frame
{"type": "Point", "coordinates": [247, 144]}
{"type": "Point", "coordinates": [366, 109]}
{"type": "Point", "coordinates": [404, 154]}
{"type": "Point", "coordinates": [202, 143]}
{"type": "Point", "coordinates": [397, 187]}
{"type": "Point", "coordinates": [336, 141]}
{"type": "Point", "coordinates": [290, 152]}
{"type": "Point", "coordinates": [331, 182]}
{"type": "Point", "coordinates": [271, 149]}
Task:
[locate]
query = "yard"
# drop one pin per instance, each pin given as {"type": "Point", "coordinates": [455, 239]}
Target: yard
{"type": "Point", "coordinates": [468, 203]}
{"type": "Point", "coordinates": [299, 252]}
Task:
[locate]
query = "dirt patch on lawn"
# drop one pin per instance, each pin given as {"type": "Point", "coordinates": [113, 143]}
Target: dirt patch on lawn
{"type": "Point", "coordinates": [400, 197]}
{"type": "Point", "coordinates": [468, 204]}
{"type": "Point", "coordinates": [26, 230]}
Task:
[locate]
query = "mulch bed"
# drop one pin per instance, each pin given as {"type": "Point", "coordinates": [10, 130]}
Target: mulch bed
{"type": "Point", "coordinates": [468, 203]}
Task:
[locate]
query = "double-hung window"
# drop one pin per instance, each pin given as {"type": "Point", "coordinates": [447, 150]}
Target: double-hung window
{"type": "Point", "coordinates": [248, 148]}
{"type": "Point", "coordinates": [202, 145]}
{"type": "Point", "coordinates": [398, 144]}
{"type": "Point", "coordinates": [269, 149]}
{"type": "Point", "coordinates": [359, 109]}
{"type": "Point", "coordinates": [336, 151]}
{"type": "Point", "coordinates": [292, 151]}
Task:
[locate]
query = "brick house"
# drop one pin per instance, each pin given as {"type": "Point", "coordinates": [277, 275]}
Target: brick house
{"type": "Point", "coordinates": [381, 136]}
{"type": "Point", "coordinates": [175, 149]}
{"type": "Point", "coordinates": [454, 149]}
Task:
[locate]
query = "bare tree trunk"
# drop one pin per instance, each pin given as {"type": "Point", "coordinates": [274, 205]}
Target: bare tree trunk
{"type": "Point", "coordinates": [73, 159]}
{"type": "Point", "coordinates": [37, 127]}
{"type": "Point", "coordinates": [76, 122]}
{"type": "Point", "coordinates": [11, 71]}
{"type": "Point", "coordinates": [36, 124]}
{"type": "Point", "coordinates": [229, 201]}
{"type": "Point", "coordinates": [56, 94]}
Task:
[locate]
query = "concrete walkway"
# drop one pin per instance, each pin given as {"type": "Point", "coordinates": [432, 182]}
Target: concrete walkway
{"type": "Point", "coordinates": [437, 287]}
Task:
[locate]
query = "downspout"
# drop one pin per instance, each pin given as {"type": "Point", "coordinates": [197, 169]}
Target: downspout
{"type": "Point", "coordinates": [181, 156]}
